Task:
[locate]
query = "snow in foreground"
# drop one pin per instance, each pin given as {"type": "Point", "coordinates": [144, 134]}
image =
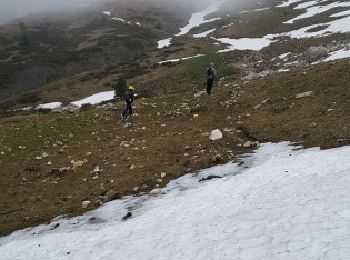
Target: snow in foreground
{"type": "Point", "coordinates": [279, 204]}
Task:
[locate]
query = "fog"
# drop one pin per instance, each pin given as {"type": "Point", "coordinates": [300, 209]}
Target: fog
{"type": "Point", "coordinates": [12, 9]}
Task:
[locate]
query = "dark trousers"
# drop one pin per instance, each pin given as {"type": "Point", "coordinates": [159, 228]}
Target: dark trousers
{"type": "Point", "coordinates": [210, 85]}
{"type": "Point", "coordinates": [128, 110]}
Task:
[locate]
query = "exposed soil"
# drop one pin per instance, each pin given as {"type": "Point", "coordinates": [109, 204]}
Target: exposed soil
{"type": "Point", "coordinates": [163, 138]}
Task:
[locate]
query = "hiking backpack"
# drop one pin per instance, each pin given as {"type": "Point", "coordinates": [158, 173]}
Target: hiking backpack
{"type": "Point", "coordinates": [210, 73]}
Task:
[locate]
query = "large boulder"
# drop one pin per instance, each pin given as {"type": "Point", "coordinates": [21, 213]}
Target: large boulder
{"type": "Point", "coordinates": [315, 53]}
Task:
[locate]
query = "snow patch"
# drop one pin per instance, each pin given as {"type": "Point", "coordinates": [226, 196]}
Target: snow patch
{"type": "Point", "coordinates": [95, 98]}
{"type": "Point", "coordinates": [182, 59]}
{"type": "Point", "coordinates": [337, 55]}
{"type": "Point", "coordinates": [51, 105]}
{"type": "Point", "coordinates": [312, 11]}
{"type": "Point", "coordinates": [164, 43]}
{"type": "Point", "coordinates": [244, 43]}
{"type": "Point", "coordinates": [282, 203]}
{"type": "Point", "coordinates": [256, 10]}
{"type": "Point", "coordinates": [203, 34]}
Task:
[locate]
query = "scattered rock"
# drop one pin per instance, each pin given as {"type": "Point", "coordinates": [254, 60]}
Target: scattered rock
{"type": "Point", "coordinates": [304, 94]}
{"type": "Point", "coordinates": [112, 195]}
{"type": "Point", "coordinates": [85, 204]}
{"type": "Point", "coordinates": [124, 144]}
{"type": "Point", "coordinates": [195, 115]}
{"type": "Point", "coordinates": [136, 189]}
{"type": "Point", "coordinates": [44, 155]}
{"type": "Point", "coordinates": [313, 125]}
{"type": "Point", "coordinates": [250, 144]}
{"type": "Point", "coordinates": [127, 216]}
{"type": "Point", "coordinates": [215, 135]}
{"type": "Point", "coordinates": [155, 191]}
{"type": "Point", "coordinates": [315, 53]}
{"type": "Point", "coordinates": [217, 158]}
{"type": "Point", "coordinates": [132, 167]}
{"type": "Point", "coordinates": [163, 175]}
{"type": "Point", "coordinates": [97, 170]}
{"type": "Point", "coordinates": [77, 164]}
{"type": "Point", "coordinates": [210, 178]}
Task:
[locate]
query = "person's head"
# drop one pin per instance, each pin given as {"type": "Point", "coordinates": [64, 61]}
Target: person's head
{"type": "Point", "coordinates": [131, 88]}
{"type": "Point", "coordinates": [211, 65]}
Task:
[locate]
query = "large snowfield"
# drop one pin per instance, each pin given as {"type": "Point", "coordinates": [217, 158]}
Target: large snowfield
{"type": "Point", "coordinates": [278, 203]}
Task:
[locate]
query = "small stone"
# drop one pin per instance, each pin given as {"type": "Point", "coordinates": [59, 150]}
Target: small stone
{"type": "Point", "coordinates": [127, 216]}
{"type": "Point", "coordinates": [215, 135]}
{"type": "Point", "coordinates": [194, 158]}
{"type": "Point", "coordinates": [85, 204]}
{"type": "Point", "coordinates": [250, 144]}
{"type": "Point", "coordinates": [111, 195]}
{"type": "Point", "coordinates": [247, 144]}
{"type": "Point", "coordinates": [155, 191]}
{"type": "Point", "coordinates": [195, 115]}
{"type": "Point", "coordinates": [186, 154]}
{"type": "Point", "coordinates": [49, 163]}
{"type": "Point", "coordinates": [132, 167]}
{"type": "Point", "coordinates": [163, 125]}
{"type": "Point", "coordinates": [71, 135]}
{"type": "Point", "coordinates": [136, 189]}
{"type": "Point", "coordinates": [304, 94]}
{"type": "Point", "coordinates": [217, 158]}
{"type": "Point", "coordinates": [124, 144]}
{"type": "Point", "coordinates": [313, 125]}
{"type": "Point", "coordinates": [44, 155]}
{"type": "Point", "coordinates": [159, 180]}
{"type": "Point", "coordinates": [162, 175]}
{"type": "Point", "coordinates": [96, 170]}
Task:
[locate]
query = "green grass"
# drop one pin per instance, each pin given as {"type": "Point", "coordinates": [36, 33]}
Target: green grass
{"type": "Point", "coordinates": [184, 74]}
{"type": "Point", "coordinates": [33, 132]}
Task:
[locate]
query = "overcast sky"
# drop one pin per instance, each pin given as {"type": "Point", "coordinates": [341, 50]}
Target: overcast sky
{"type": "Point", "coordinates": [10, 9]}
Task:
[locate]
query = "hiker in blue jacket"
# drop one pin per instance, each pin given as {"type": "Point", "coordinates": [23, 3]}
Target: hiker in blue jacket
{"type": "Point", "coordinates": [129, 99]}
{"type": "Point", "coordinates": [211, 74]}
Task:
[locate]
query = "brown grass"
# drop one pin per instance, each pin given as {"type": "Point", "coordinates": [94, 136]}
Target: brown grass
{"type": "Point", "coordinates": [27, 184]}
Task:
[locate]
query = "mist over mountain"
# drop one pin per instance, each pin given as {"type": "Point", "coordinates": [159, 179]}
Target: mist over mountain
{"type": "Point", "coordinates": [12, 9]}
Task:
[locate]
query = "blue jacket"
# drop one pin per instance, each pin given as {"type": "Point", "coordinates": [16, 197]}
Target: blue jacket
{"type": "Point", "coordinates": [129, 96]}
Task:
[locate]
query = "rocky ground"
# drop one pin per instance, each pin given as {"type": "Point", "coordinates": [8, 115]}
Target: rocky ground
{"type": "Point", "coordinates": [64, 164]}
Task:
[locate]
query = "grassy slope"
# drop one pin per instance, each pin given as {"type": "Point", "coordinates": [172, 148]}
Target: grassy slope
{"type": "Point", "coordinates": [27, 184]}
